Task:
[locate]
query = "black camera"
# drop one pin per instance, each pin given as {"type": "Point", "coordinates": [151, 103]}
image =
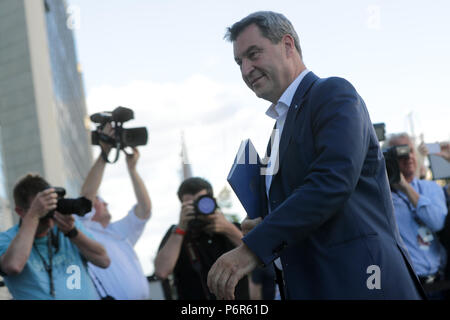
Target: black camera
{"type": "Point", "coordinates": [391, 155]}
{"type": "Point", "coordinates": [80, 206]}
{"type": "Point", "coordinates": [203, 206]}
{"type": "Point", "coordinates": [123, 137]}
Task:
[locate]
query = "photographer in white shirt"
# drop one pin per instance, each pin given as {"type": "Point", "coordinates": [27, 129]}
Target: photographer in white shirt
{"type": "Point", "coordinates": [124, 278]}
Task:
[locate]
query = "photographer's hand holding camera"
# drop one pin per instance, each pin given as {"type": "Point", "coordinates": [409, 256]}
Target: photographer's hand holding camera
{"type": "Point", "coordinates": [189, 249]}
{"type": "Point", "coordinates": [404, 186]}
{"type": "Point", "coordinates": [211, 223]}
{"type": "Point", "coordinates": [33, 251]}
{"type": "Point", "coordinates": [217, 223]}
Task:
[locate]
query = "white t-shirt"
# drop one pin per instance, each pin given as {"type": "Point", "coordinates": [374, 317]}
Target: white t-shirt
{"type": "Point", "coordinates": [124, 279]}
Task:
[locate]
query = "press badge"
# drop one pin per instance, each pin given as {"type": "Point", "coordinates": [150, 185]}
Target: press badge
{"type": "Point", "coordinates": [425, 236]}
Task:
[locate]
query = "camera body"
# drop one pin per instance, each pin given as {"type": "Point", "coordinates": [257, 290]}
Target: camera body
{"type": "Point", "coordinates": [124, 137]}
{"type": "Point", "coordinates": [391, 156]}
{"type": "Point", "coordinates": [80, 206]}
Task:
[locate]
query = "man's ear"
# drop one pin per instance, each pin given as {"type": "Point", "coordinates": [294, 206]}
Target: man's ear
{"type": "Point", "coordinates": [21, 212]}
{"type": "Point", "coordinates": [289, 44]}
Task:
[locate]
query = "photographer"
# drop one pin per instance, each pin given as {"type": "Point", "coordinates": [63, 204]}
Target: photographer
{"type": "Point", "coordinates": [124, 279]}
{"type": "Point", "coordinates": [41, 261]}
{"type": "Point", "coordinates": [189, 249]}
{"type": "Point", "coordinates": [420, 211]}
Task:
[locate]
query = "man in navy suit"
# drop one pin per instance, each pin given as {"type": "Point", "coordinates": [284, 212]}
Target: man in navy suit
{"type": "Point", "coordinates": [329, 225]}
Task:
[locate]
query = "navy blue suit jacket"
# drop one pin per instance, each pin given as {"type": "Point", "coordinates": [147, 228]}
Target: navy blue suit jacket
{"type": "Point", "coordinates": [331, 215]}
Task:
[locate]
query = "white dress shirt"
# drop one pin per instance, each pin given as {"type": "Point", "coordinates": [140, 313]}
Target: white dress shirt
{"type": "Point", "coordinates": [279, 112]}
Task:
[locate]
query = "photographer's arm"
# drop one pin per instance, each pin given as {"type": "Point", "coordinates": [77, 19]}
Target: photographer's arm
{"type": "Point", "coordinates": [18, 252]}
{"type": "Point", "coordinates": [430, 204]}
{"type": "Point", "coordinates": [144, 205]}
{"type": "Point", "coordinates": [90, 249]}
{"type": "Point", "coordinates": [94, 178]}
{"type": "Point", "coordinates": [168, 256]}
{"type": "Point", "coordinates": [219, 224]}
{"type": "Point", "coordinates": [408, 190]}
{"type": "Point", "coordinates": [93, 251]}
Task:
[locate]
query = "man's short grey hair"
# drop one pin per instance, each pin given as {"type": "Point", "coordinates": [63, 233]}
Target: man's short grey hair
{"type": "Point", "coordinates": [391, 138]}
{"type": "Point", "coordinates": [273, 26]}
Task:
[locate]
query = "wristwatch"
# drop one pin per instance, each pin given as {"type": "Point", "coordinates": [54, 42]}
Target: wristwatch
{"type": "Point", "coordinates": [72, 233]}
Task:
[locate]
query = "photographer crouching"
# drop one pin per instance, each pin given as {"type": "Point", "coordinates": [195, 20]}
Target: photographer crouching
{"type": "Point", "coordinates": [189, 249]}
{"type": "Point", "coordinates": [39, 260]}
{"type": "Point", "coordinates": [420, 211]}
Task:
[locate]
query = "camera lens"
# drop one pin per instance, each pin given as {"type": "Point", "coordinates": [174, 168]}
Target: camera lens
{"type": "Point", "coordinates": [206, 205]}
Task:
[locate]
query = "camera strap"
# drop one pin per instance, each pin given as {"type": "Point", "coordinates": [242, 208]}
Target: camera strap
{"type": "Point", "coordinates": [105, 156]}
{"type": "Point", "coordinates": [48, 266]}
{"type": "Point", "coordinates": [95, 280]}
{"type": "Point", "coordinates": [197, 266]}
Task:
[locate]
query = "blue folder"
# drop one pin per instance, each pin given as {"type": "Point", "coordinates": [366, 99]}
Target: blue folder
{"type": "Point", "coordinates": [245, 178]}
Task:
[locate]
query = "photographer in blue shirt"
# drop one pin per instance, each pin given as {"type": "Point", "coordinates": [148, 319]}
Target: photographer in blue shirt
{"type": "Point", "coordinates": [420, 210]}
{"type": "Point", "coordinates": [44, 257]}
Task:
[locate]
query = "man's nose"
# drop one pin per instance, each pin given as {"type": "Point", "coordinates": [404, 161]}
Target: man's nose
{"type": "Point", "coordinates": [246, 68]}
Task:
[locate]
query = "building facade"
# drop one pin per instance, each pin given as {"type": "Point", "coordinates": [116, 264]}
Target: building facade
{"type": "Point", "coordinates": [42, 103]}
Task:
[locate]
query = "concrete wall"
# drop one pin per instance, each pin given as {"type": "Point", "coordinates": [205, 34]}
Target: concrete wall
{"type": "Point", "coordinates": [20, 129]}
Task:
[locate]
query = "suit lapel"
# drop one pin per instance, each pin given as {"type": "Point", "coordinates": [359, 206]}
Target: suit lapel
{"type": "Point", "coordinates": [270, 143]}
{"type": "Point", "coordinates": [294, 110]}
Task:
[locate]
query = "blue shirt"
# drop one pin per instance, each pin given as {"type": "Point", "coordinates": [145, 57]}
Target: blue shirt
{"type": "Point", "coordinates": [70, 276]}
{"type": "Point", "coordinates": [417, 226]}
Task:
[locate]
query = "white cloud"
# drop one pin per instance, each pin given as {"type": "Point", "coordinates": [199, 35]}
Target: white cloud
{"type": "Point", "coordinates": [214, 118]}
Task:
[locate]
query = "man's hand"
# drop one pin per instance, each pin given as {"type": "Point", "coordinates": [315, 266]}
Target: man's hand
{"type": "Point", "coordinates": [423, 150]}
{"type": "Point", "coordinates": [44, 202]}
{"type": "Point", "coordinates": [65, 223]}
{"type": "Point", "coordinates": [229, 269]}
{"type": "Point", "coordinates": [407, 189]}
{"type": "Point", "coordinates": [402, 185]}
{"type": "Point", "coordinates": [445, 151]}
{"type": "Point", "coordinates": [132, 159]}
{"type": "Point", "coordinates": [217, 223]}
{"type": "Point", "coordinates": [109, 131]}
{"type": "Point", "coordinates": [187, 213]}
{"type": "Point", "coordinates": [248, 224]}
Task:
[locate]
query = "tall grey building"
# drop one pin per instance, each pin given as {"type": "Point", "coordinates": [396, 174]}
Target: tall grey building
{"type": "Point", "coordinates": [42, 103]}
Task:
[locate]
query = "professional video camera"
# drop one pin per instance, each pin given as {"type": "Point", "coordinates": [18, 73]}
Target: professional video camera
{"type": "Point", "coordinates": [391, 155]}
{"type": "Point", "coordinates": [130, 137]}
{"type": "Point", "coordinates": [80, 206]}
{"type": "Point", "coordinates": [203, 206]}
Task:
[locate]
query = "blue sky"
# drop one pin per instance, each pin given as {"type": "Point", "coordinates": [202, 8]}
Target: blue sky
{"type": "Point", "coordinates": [168, 61]}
